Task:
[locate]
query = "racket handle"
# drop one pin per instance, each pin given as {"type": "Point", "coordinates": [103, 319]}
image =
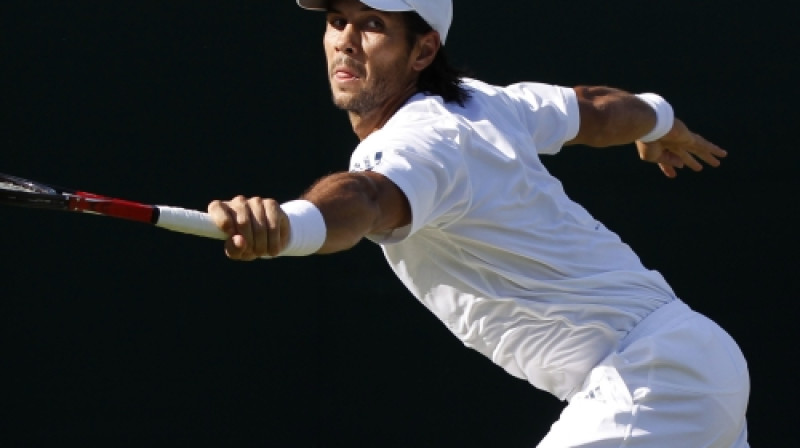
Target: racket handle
{"type": "Point", "coordinates": [188, 221]}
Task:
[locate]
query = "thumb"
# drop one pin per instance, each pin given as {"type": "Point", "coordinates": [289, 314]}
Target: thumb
{"type": "Point", "coordinates": [650, 151]}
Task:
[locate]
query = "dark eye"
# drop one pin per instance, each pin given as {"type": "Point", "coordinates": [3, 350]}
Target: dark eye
{"type": "Point", "coordinates": [373, 24]}
{"type": "Point", "coordinates": [337, 22]}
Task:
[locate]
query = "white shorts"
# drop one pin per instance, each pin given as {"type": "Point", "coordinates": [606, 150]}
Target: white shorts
{"type": "Point", "coordinates": [678, 380]}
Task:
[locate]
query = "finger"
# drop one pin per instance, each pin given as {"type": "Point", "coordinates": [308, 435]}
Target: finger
{"type": "Point", "coordinates": [235, 247]}
{"type": "Point", "coordinates": [222, 216]}
{"type": "Point", "coordinates": [238, 246]}
{"type": "Point", "coordinates": [668, 163]}
{"type": "Point", "coordinates": [276, 228]}
{"type": "Point", "coordinates": [243, 220]}
{"type": "Point", "coordinates": [668, 170]}
{"type": "Point", "coordinates": [710, 147]}
{"type": "Point", "coordinates": [709, 152]}
{"type": "Point", "coordinates": [259, 226]}
{"type": "Point", "coordinates": [674, 159]}
{"type": "Point", "coordinates": [688, 160]}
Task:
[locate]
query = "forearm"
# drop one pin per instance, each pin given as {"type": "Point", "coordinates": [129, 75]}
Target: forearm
{"type": "Point", "coordinates": [354, 205]}
{"type": "Point", "coordinates": [611, 117]}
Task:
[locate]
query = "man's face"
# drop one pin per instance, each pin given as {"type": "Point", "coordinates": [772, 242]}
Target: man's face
{"type": "Point", "coordinates": [369, 59]}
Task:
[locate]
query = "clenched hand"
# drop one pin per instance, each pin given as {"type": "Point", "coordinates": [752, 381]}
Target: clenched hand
{"type": "Point", "coordinates": [256, 226]}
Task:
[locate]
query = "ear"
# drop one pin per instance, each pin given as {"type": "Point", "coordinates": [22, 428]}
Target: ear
{"type": "Point", "coordinates": [425, 50]}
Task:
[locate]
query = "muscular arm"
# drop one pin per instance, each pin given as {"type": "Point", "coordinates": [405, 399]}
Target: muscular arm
{"type": "Point", "coordinates": [357, 204]}
{"type": "Point", "coordinates": [352, 206]}
{"type": "Point", "coordinates": [611, 117]}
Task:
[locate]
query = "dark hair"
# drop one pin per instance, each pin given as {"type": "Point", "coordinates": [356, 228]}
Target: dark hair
{"type": "Point", "coordinates": [439, 78]}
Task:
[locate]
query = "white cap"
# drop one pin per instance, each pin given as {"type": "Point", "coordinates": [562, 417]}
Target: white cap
{"type": "Point", "coordinates": [438, 13]}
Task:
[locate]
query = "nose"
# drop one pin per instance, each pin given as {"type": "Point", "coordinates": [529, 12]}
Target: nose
{"type": "Point", "coordinates": [347, 40]}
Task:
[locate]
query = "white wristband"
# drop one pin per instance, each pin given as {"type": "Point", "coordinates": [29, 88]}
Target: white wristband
{"type": "Point", "coordinates": [665, 116]}
{"type": "Point", "coordinates": [307, 229]}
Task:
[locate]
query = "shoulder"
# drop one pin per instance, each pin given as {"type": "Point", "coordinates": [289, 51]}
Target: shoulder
{"type": "Point", "coordinates": [423, 130]}
{"type": "Point", "coordinates": [540, 93]}
{"type": "Point", "coordinates": [423, 117]}
{"type": "Point", "coordinates": [521, 98]}
{"type": "Point", "coordinates": [519, 89]}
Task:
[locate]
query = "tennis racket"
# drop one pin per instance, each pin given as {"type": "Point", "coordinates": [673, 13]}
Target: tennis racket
{"type": "Point", "coordinates": [19, 192]}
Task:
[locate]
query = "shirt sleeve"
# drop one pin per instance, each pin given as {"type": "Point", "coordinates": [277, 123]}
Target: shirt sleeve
{"type": "Point", "coordinates": [550, 113]}
{"type": "Point", "coordinates": [426, 164]}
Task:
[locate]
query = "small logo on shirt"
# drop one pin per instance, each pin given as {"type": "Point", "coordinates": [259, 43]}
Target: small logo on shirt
{"type": "Point", "coordinates": [368, 162]}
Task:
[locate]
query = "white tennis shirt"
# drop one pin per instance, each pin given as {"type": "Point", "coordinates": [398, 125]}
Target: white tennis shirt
{"type": "Point", "coordinates": [496, 250]}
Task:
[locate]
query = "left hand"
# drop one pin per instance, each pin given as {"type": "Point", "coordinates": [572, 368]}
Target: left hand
{"type": "Point", "coordinates": [680, 148]}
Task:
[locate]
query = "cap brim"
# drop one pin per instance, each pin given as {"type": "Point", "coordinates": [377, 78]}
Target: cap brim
{"type": "Point", "coordinates": [317, 5]}
{"type": "Point", "coordinates": [380, 5]}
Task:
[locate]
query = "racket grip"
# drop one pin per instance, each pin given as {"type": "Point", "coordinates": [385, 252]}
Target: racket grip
{"type": "Point", "coordinates": [188, 221]}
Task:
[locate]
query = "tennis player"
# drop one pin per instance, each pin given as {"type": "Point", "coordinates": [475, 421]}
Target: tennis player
{"type": "Point", "coordinates": [447, 179]}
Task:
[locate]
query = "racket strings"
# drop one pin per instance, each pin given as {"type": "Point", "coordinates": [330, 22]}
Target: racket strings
{"type": "Point", "coordinates": [25, 188]}
{"type": "Point", "coordinates": [14, 187]}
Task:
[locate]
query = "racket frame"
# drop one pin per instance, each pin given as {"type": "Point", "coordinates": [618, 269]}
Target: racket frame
{"type": "Point", "coordinates": [45, 196]}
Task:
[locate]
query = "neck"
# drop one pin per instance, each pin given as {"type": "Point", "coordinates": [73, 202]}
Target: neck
{"type": "Point", "coordinates": [366, 123]}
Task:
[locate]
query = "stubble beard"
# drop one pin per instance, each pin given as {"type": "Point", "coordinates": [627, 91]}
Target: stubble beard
{"type": "Point", "coordinates": [372, 94]}
{"type": "Point", "coordinates": [369, 98]}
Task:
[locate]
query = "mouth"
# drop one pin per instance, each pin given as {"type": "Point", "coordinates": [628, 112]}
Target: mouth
{"type": "Point", "coordinates": [345, 74]}
{"type": "Point", "coordinates": [344, 70]}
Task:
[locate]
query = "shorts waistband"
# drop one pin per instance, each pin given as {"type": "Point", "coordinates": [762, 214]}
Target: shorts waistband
{"type": "Point", "coordinates": [659, 318]}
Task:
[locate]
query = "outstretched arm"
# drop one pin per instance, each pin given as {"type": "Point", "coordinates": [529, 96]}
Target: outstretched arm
{"type": "Point", "coordinates": [334, 214]}
{"type": "Point", "coordinates": [611, 117]}
{"type": "Point", "coordinates": [357, 204]}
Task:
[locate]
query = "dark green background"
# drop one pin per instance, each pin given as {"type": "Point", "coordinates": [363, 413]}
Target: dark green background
{"type": "Point", "coordinates": [116, 333]}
